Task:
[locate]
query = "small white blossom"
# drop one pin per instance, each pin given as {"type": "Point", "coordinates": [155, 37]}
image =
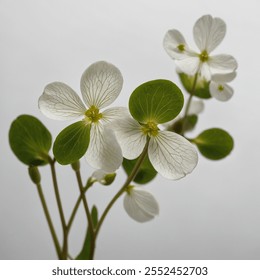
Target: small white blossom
{"type": "Point", "coordinates": [219, 88]}
{"type": "Point", "coordinates": [140, 205]}
{"type": "Point", "coordinates": [208, 33]}
{"type": "Point", "coordinates": [170, 154]}
{"type": "Point", "coordinates": [100, 85]}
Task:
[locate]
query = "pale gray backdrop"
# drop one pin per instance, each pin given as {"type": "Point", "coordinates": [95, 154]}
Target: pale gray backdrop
{"type": "Point", "coordinates": [214, 213]}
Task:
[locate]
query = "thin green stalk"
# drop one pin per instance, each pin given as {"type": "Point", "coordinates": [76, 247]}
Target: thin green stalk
{"type": "Point", "coordinates": [73, 213]}
{"type": "Point", "coordinates": [123, 188]}
{"type": "Point", "coordinates": [88, 214]}
{"type": "Point", "coordinates": [189, 103]}
{"type": "Point", "coordinates": [58, 199]}
{"type": "Point", "coordinates": [49, 220]}
{"type": "Point", "coordinates": [75, 209]}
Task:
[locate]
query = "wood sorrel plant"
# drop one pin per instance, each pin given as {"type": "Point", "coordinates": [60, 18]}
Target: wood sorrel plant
{"type": "Point", "coordinates": [147, 138]}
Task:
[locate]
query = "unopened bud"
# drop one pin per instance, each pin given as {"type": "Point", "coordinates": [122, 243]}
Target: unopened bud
{"type": "Point", "coordinates": [34, 174]}
{"type": "Point", "coordinates": [76, 165]}
{"type": "Point", "coordinates": [108, 179]}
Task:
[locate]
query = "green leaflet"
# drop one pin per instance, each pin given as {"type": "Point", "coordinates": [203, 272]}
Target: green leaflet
{"type": "Point", "coordinates": [30, 140]}
{"type": "Point", "coordinates": [72, 143]}
{"type": "Point", "coordinates": [157, 101]}
{"type": "Point", "coordinates": [190, 124]}
{"type": "Point", "coordinates": [85, 251]}
{"type": "Point", "coordinates": [214, 143]}
{"type": "Point", "coordinates": [146, 172]}
{"type": "Point", "coordinates": [201, 89]}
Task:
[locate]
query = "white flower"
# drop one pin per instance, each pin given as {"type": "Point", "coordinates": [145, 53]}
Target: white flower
{"type": "Point", "coordinates": [140, 205]}
{"type": "Point", "coordinates": [100, 85]}
{"type": "Point", "coordinates": [170, 154]}
{"type": "Point", "coordinates": [208, 33]}
{"type": "Point", "coordinates": [219, 88]}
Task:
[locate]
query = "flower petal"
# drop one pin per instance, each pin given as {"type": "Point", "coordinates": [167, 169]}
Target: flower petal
{"type": "Point", "coordinates": [175, 44]}
{"type": "Point", "coordinates": [172, 155]}
{"type": "Point", "coordinates": [189, 65]}
{"type": "Point", "coordinates": [98, 174]}
{"type": "Point", "coordinates": [208, 32]}
{"type": "Point", "coordinates": [113, 114]}
{"type": "Point", "coordinates": [140, 205]}
{"type": "Point", "coordinates": [104, 151]}
{"type": "Point", "coordinates": [222, 92]}
{"type": "Point", "coordinates": [224, 78]}
{"type": "Point", "coordinates": [60, 102]}
{"type": "Point", "coordinates": [102, 177]}
{"type": "Point", "coordinates": [130, 137]}
{"type": "Point", "coordinates": [222, 64]}
{"type": "Point", "coordinates": [205, 71]}
{"type": "Point", "coordinates": [100, 84]}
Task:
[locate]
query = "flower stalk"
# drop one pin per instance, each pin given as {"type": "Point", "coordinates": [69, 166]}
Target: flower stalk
{"type": "Point", "coordinates": [88, 214]}
{"type": "Point", "coordinates": [188, 104]}
{"type": "Point", "coordinates": [64, 252]}
{"type": "Point", "coordinates": [49, 221]}
{"type": "Point", "coordinates": [129, 179]}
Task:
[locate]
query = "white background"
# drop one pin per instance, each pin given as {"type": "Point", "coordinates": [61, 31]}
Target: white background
{"type": "Point", "coordinates": [214, 213]}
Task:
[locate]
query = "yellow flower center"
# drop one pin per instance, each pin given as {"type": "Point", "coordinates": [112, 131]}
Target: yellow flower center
{"type": "Point", "coordinates": [93, 115]}
{"type": "Point", "coordinates": [129, 189]}
{"type": "Point", "coordinates": [204, 56]}
{"type": "Point", "coordinates": [150, 129]}
{"type": "Point", "coordinates": [220, 88]}
{"type": "Point", "coordinates": [181, 48]}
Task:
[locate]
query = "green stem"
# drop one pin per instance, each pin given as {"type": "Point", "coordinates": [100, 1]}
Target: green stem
{"type": "Point", "coordinates": [58, 199]}
{"type": "Point", "coordinates": [75, 209]}
{"type": "Point", "coordinates": [85, 203]}
{"type": "Point", "coordinates": [74, 212]}
{"type": "Point", "coordinates": [49, 221]}
{"type": "Point", "coordinates": [188, 104]}
{"type": "Point", "coordinates": [123, 188]}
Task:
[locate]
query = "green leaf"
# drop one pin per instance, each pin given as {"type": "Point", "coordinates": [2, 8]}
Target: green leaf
{"type": "Point", "coordinates": [146, 172]}
{"type": "Point", "coordinates": [190, 124]}
{"type": "Point", "coordinates": [85, 251]}
{"type": "Point", "coordinates": [156, 101]}
{"type": "Point", "coordinates": [72, 143]}
{"type": "Point", "coordinates": [202, 86]}
{"type": "Point", "coordinates": [30, 140]}
{"type": "Point", "coordinates": [214, 143]}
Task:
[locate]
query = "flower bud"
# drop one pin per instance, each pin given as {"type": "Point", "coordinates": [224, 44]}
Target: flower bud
{"type": "Point", "coordinates": [34, 174]}
{"type": "Point", "coordinates": [108, 179]}
{"type": "Point", "coordinates": [76, 165]}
